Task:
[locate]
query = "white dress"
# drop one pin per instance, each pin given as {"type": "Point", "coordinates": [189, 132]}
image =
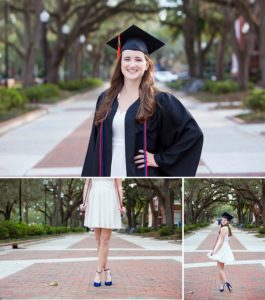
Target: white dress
{"type": "Point", "coordinates": [103, 209]}
{"type": "Point", "coordinates": [118, 163]}
{"type": "Point", "coordinates": [224, 254]}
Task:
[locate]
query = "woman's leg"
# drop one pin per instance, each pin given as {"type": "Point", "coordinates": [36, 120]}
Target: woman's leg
{"type": "Point", "coordinates": [104, 248]}
{"type": "Point", "coordinates": [97, 236]}
{"type": "Point", "coordinates": [221, 272]}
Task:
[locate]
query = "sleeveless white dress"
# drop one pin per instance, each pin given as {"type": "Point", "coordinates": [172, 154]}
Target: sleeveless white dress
{"type": "Point", "coordinates": [103, 209]}
{"type": "Point", "coordinates": [118, 163]}
{"type": "Point", "coordinates": [224, 254]}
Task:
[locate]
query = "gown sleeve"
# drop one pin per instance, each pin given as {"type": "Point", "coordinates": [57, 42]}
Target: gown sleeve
{"type": "Point", "coordinates": [91, 159]}
{"type": "Point", "coordinates": [180, 139]}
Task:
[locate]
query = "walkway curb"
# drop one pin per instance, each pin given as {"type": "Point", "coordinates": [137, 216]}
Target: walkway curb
{"type": "Point", "coordinates": [21, 120]}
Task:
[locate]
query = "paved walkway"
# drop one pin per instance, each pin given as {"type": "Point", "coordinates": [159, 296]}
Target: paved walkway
{"type": "Point", "coordinates": [56, 143]}
{"type": "Point", "coordinates": [246, 274]}
{"type": "Point", "coordinates": [142, 268]}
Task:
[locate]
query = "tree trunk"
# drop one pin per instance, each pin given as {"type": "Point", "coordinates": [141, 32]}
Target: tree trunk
{"type": "Point", "coordinates": [168, 204]}
{"type": "Point", "coordinates": [26, 214]}
{"type": "Point", "coordinates": [262, 41]}
{"type": "Point", "coordinates": [263, 200]}
{"type": "Point", "coordinates": [32, 39]}
{"type": "Point", "coordinates": [222, 47]}
{"type": "Point", "coordinates": [154, 213]}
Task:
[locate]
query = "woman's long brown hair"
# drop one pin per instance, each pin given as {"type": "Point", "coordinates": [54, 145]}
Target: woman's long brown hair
{"type": "Point", "coordinates": [229, 229]}
{"type": "Point", "coordinates": [147, 92]}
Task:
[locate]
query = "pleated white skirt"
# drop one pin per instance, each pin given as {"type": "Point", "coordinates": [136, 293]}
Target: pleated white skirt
{"type": "Point", "coordinates": [103, 205]}
{"type": "Point", "coordinates": [224, 255]}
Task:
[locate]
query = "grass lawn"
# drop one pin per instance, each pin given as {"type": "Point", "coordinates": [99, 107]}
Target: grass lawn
{"type": "Point", "coordinates": [253, 117]}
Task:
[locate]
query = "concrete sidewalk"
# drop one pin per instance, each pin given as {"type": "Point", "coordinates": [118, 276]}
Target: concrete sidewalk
{"type": "Point", "coordinates": [230, 149]}
{"type": "Point", "coordinates": [246, 273]}
{"type": "Point", "coordinates": [141, 267]}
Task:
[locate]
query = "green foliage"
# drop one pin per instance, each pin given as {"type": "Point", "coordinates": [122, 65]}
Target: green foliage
{"type": "Point", "coordinates": [11, 98]}
{"type": "Point", "coordinates": [80, 84]}
{"type": "Point", "coordinates": [42, 93]}
{"type": "Point", "coordinates": [143, 229]}
{"type": "Point", "coordinates": [4, 233]}
{"type": "Point", "coordinates": [249, 226]}
{"type": "Point", "coordinates": [13, 230]}
{"type": "Point", "coordinates": [35, 229]}
{"type": "Point", "coordinates": [177, 85]}
{"type": "Point", "coordinates": [256, 100]}
{"type": "Point", "coordinates": [220, 87]}
{"type": "Point", "coordinates": [191, 227]}
{"type": "Point", "coordinates": [164, 231]}
{"type": "Point", "coordinates": [262, 230]}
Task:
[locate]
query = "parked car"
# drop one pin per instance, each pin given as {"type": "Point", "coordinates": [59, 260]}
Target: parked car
{"type": "Point", "coordinates": [165, 76]}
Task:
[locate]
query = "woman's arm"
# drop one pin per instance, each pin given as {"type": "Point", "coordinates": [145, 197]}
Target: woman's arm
{"type": "Point", "coordinates": [221, 239]}
{"type": "Point", "coordinates": [86, 190]}
{"type": "Point", "coordinates": [119, 190]}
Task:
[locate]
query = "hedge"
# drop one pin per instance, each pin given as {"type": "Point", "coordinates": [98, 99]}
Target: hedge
{"type": "Point", "coordinates": [10, 98]}
{"type": "Point", "coordinates": [14, 230]}
{"type": "Point", "coordinates": [42, 92]}
{"type": "Point", "coordinates": [221, 87]}
{"type": "Point", "coordinates": [80, 84]}
{"type": "Point", "coordinates": [256, 100]}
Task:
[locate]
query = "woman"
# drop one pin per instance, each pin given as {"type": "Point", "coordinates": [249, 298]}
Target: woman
{"type": "Point", "coordinates": [137, 129]}
{"type": "Point", "coordinates": [102, 202]}
{"type": "Point", "coordinates": [222, 252]}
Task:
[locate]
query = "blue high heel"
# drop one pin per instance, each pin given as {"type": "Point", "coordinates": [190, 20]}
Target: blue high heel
{"type": "Point", "coordinates": [222, 289]}
{"type": "Point", "coordinates": [97, 284]}
{"type": "Point", "coordinates": [108, 282]}
{"type": "Point", "coordinates": [229, 286]}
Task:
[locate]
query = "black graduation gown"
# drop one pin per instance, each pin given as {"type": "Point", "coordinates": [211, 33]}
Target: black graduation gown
{"type": "Point", "coordinates": [173, 136]}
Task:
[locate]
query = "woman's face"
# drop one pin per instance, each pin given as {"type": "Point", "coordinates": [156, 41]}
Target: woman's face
{"type": "Point", "coordinates": [133, 64]}
{"type": "Point", "coordinates": [224, 221]}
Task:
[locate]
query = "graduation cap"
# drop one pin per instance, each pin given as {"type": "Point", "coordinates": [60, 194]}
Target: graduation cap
{"type": "Point", "coordinates": [134, 38]}
{"type": "Point", "coordinates": [227, 216]}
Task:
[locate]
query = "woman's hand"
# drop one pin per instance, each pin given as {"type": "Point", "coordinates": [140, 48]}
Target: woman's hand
{"type": "Point", "coordinates": [123, 210]}
{"type": "Point", "coordinates": [139, 160]}
{"type": "Point", "coordinates": [82, 207]}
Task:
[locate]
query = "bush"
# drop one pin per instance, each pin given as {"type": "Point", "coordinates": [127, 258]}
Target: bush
{"type": "Point", "coordinates": [256, 100]}
{"type": "Point", "coordinates": [13, 230]}
{"type": "Point", "coordinates": [4, 233]}
{"type": "Point", "coordinates": [80, 84]}
{"type": "Point", "coordinates": [220, 87]}
{"type": "Point", "coordinates": [143, 229]}
{"type": "Point", "coordinates": [42, 92]}
{"type": "Point", "coordinates": [249, 226]}
{"type": "Point", "coordinates": [164, 231]}
{"type": "Point", "coordinates": [262, 230]}
{"type": "Point", "coordinates": [10, 98]}
{"type": "Point", "coordinates": [35, 229]}
{"type": "Point", "coordinates": [77, 229]}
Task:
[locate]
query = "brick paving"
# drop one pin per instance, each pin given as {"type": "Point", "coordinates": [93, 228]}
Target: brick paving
{"type": "Point", "coordinates": [71, 151]}
{"type": "Point", "coordinates": [210, 241]}
{"type": "Point", "coordinates": [143, 279]}
{"type": "Point", "coordinates": [246, 274]}
{"type": "Point", "coordinates": [145, 274]}
{"type": "Point", "coordinates": [89, 242]}
{"type": "Point", "coordinates": [28, 255]}
{"type": "Point", "coordinates": [247, 281]}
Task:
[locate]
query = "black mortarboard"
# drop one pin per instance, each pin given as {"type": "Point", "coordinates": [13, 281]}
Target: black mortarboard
{"type": "Point", "coordinates": [227, 216]}
{"type": "Point", "coordinates": [134, 38]}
